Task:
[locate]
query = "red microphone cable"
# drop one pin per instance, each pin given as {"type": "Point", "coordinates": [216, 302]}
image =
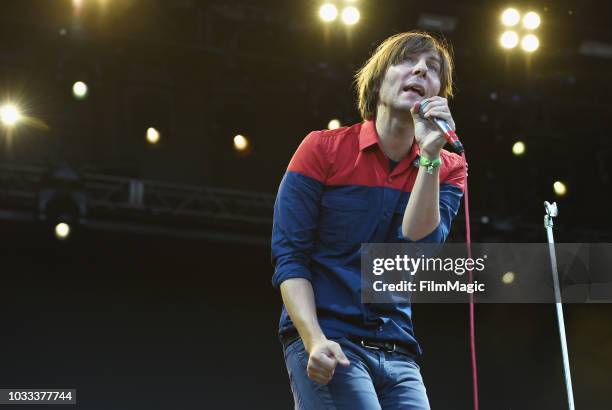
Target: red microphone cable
{"type": "Point", "coordinates": [453, 140]}
{"type": "Point", "coordinates": [468, 243]}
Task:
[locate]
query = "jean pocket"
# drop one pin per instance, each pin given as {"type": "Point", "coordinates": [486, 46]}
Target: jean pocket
{"type": "Point", "coordinates": [300, 351]}
{"type": "Point", "coordinates": [288, 348]}
{"type": "Point", "coordinates": [411, 361]}
{"type": "Point", "coordinates": [296, 349]}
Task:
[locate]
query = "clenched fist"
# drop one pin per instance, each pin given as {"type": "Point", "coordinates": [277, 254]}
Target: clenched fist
{"type": "Point", "coordinates": [324, 356]}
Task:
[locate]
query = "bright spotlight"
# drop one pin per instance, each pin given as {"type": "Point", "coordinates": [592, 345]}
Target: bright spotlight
{"type": "Point", "coordinates": [509, 39]}
{"type": "Point", "coordinates": [152, 135]}
{"type": "Point", "coordinates": [333, 124]}
{"type": "Point", "coordinates": [559, 188]}
{"type": "Point", "coordinates": [79, 90]}
{"type": "Point", "coordinates": [508, 278]}
{"type": "Point", "coordinates": [62, 230]}
{"type": "Point", "coordinates": [241, 143]}
{"type": "Point", "coordinates": [530, 43]}
{"type": "Point", "coordinates": [518, 148]}
{"type": "Point", "coordinates": [350, 15]}
{"type": "Point", "coordinates": [531, 20]}
{"type": "Point", "coordinates": [328, 12]}
{"type": "Point", "coordinates": [510, 17]}
{"type": "Point", "coordinates": [9, 115]}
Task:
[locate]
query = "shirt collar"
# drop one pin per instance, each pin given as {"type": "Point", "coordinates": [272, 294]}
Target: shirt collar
{"type": "Point", "coordinates": [368, 137]}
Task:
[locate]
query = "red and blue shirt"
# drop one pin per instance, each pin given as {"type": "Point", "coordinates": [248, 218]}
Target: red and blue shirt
{"type": "Point", "coordinates": [339, 191]}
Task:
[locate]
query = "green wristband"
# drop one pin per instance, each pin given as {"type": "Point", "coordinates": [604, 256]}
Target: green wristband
{"type": "Point", "coordinates": [430, 164]}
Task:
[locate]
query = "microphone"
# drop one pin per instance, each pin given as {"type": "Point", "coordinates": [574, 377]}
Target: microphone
{"type": "Point", "coordinates": [447, 131]}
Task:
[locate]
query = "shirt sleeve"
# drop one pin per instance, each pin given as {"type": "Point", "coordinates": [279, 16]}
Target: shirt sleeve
{"type": "Point", "coordinates": [296, 211]}
{"type": "Point", "coordinates": [451, 191]}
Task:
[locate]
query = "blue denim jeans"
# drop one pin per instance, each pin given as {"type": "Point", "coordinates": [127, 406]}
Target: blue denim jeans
{"type": "Point", "coordinates": [374, 380]}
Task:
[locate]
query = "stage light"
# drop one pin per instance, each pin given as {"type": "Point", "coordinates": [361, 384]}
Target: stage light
{"type": "Point", "coordinates": [531, 20]}
{"type": "Point", "coordinates": [510, 17]}
{"type": "Point", "coordinates": [530, 43]}
{"type": "Point", "coordinates": [508, 278]}
{"type": "Point", "coordinates": [79, 90]}
{"type": "Point", "coordinates": [333, 124]}
{"type": "Point", "coordinates": [9, 115]}
{"type": "Point", "coordinates": [509, 39]}
{"type": "Point", "coordinates": [559, 188]}
{"type": "Point", "coordinates": [241, 143]}
{"type": "Point", "coordinates": [153, 135]}
{"type": "Point", "coordinates": [328, 12]}
{"type": "Point", "coordinates": [350, 15]}
{"type": "Point", "coordinates": [62, 230]}
{"type": "Point", "coordinates": [518, 148]}
{"type": "Point", "coordinates": [77, 6]}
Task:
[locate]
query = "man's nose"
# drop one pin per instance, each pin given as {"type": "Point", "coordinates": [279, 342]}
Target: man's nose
{"type": "Point", "coordinates": [420, 68]}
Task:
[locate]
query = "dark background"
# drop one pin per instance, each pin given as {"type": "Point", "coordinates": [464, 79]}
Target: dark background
{"type": "Point", "coordinates": [185, 317]}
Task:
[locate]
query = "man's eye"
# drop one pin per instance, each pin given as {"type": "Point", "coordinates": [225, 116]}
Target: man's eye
{"type": "Point", "coordinates": [433, 64]}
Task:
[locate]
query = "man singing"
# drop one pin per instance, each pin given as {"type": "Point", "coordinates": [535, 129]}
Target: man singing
{"type": "Point", "coordinates": [386, 179]}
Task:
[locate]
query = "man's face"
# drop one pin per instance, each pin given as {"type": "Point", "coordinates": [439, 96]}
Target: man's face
{"type": "Point", "coordinates": [411, 80]}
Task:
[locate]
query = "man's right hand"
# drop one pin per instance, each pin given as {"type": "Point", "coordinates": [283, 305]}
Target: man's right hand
{"type": "Point", "coordinates": [324, 356]}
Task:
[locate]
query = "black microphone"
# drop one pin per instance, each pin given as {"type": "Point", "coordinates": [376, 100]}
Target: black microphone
{"type": "Point", "coordinates": [447, 131]}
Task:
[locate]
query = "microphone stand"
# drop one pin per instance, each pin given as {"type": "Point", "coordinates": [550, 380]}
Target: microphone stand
{"type": "Point", "coordinates": [551, 212]}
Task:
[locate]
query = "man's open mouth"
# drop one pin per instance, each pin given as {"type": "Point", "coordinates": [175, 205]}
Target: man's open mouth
{"type": "Point", "coordinates": [416, 88]}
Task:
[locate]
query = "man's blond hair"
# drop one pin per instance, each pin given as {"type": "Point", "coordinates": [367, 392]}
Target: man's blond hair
{"type": "Point", "coordinates": [392, 51]}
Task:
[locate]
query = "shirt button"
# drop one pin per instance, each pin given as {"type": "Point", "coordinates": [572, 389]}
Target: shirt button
{"type": "Point", "coordinates": [380, 328]}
